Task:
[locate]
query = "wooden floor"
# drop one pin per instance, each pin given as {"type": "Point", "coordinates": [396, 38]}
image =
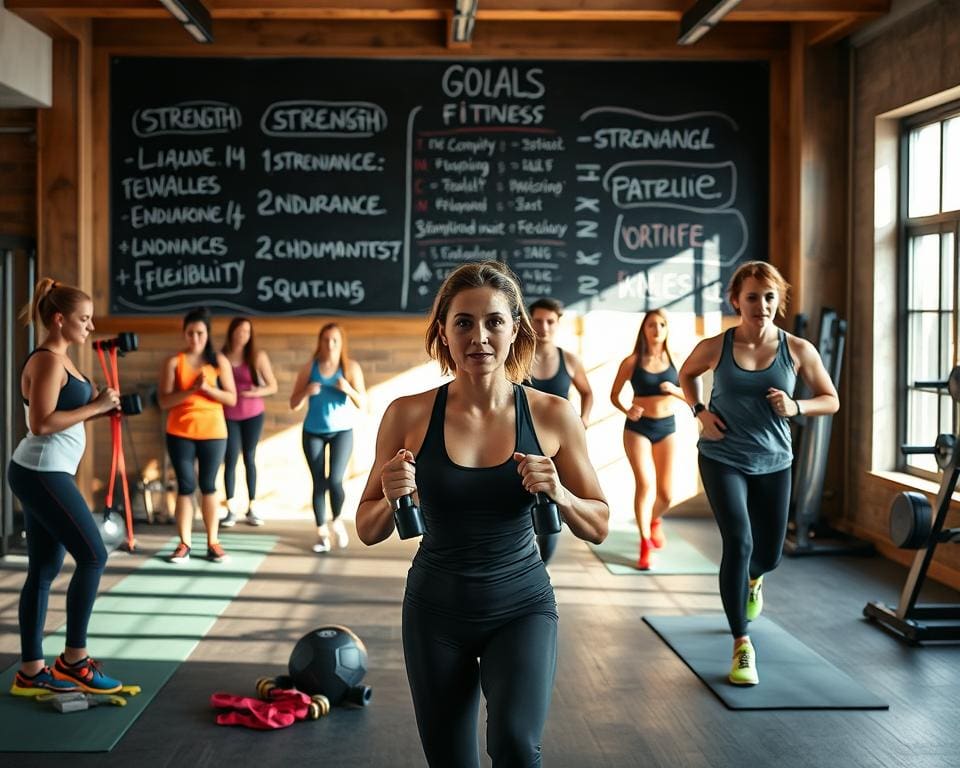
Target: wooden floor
{"type": "Point", "coordinates": [622, 697]}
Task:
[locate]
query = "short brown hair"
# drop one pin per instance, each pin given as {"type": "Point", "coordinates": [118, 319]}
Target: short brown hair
{"type": "Point", "coordinates": [483, 274]}
{"type": "Point", "coordinates": [551, 305]}
{"type": "Point", "coordinates": [764, 272]}
{"type": "Point", "coordinates": [50, 297]}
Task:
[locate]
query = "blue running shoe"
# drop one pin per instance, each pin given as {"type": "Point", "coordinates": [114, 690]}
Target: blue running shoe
{"type": "Point", "coordinates": [40, 683]}
{"type": "Point", "coordinates": [86, 675]}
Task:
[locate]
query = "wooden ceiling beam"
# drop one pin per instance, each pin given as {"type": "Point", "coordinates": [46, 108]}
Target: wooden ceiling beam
{"type": "Point", "coordinates": [491, 10]}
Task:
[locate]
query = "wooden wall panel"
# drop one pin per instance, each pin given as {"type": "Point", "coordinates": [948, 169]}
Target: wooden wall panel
{"type": "Point", "coordinates": [18, 172]}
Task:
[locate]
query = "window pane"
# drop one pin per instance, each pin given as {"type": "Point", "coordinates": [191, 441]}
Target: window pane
{"type": "Point", "coordinates": [922, 428]}
{"type": "Point", "coordinates": [924, 171]}
{"type": "Point", "coordinates": [951, 164]}
{"type": "Point", "coordinates": [946, 343]}
{"type": "Point", "coordinates": [924, 277]}
{"type": "Point", "coordinates": [923, 352]}
{"type": "Point", "coordinates": [947, 410]}
{"type": "Point", "coordinates": [947, 270]}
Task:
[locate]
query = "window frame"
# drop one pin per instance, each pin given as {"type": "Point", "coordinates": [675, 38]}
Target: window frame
{"type": "Point", "coordinates": [940, 224]}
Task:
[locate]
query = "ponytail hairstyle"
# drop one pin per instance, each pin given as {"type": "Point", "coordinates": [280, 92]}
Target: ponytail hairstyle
{"type": "Point", "coordinates": [344, 363]}
{"type": "Point", "coordinates": [640, 347]}
{"type": "Point", "coordinates": [202, 315]}
{"type": "Point", "coordinates": [249, 349]}
{"type": "Point", "coordinates": [50, 297]}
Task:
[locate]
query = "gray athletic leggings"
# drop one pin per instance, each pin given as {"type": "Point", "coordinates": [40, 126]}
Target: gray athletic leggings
{"type": "Point", "coordinates": [449, 661]}
{"type": "Point", "coordinates": [314, 448]}
{"type": "Point", "coordinates": [751, 511]}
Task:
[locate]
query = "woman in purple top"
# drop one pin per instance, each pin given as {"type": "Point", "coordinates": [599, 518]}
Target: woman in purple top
{"type": "Point", "coordinates": [255, 381]}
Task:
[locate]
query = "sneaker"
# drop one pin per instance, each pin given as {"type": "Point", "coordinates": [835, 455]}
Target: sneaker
{"type": "Point", "coordinates": [657, 536]}
{"type": "Point", "coordinates": [253, 518]}
{"type": "Point", "coordinates": [744, 669]}
{"type": "Point", "coordinates": [215, 553]}
{"type": "Point", "coordinates": [180, 555]}
{"type": "Point", "coordinates": [86, 675]}
{"type": "Point", "coordinates": [322, 545]}
{"type": "Point", "coordinates": [42, 682]}
{"type": "Point", "coordinates": [645, 561]}
{"type": "Point", "coordinates": [229, 520]}
{"type": "Point", "coordinates": [755, 599]}
{"type": "Point", "coordinates": [340, 531]}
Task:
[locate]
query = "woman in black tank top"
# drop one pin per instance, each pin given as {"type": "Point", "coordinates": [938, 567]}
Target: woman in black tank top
{"type": "Point", "coordinates": [648, 432]}
{"type": "Point", "coordinates": [479, 611]}
{"type": "Point", "coordinates": [554, 371]}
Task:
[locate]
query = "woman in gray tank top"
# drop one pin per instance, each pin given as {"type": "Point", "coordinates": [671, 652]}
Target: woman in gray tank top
{"type": "Point", "coordinates": [745, 450]}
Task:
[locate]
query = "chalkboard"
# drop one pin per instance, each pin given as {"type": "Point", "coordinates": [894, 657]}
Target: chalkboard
{"type": "Point", "coordinates": [294, 186]}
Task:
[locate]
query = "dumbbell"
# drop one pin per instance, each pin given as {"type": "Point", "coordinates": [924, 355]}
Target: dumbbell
{"type": "Point", "coordinates": [408, 518]}
{"type": "Point", "coordinates": [943, 449]}
{"type": "Point", "coordinates": [546, 516]}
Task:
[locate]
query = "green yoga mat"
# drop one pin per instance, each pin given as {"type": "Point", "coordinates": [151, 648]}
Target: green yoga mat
{"type": "Point", "coordinates": [619, 553]}
{"type": "Point", "coordinates": [142, 629]}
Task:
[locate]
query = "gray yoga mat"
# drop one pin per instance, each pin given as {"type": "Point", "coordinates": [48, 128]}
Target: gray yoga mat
{"type": "Point", "coordinates": [792, 676]}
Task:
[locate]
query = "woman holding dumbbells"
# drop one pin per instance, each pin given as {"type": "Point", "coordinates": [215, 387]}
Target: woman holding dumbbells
{"type": "Point", "coordinates": [479, 611]}
{"type": "Point", "coordinates": [195, 385]}
{"type": "Point", "coordinates": [58, 399]}
{"type": "Point", "coordinates": [745, 450]}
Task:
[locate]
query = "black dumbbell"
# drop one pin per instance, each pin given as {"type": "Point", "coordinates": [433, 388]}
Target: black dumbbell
{"type": "Point", "coordinates": [408, 518]}
{"type": "Point", "coordinates": [546, 516]}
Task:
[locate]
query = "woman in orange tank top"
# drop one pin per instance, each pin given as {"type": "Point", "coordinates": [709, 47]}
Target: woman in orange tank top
{"type": "Point", "coordinates": [195, 384]}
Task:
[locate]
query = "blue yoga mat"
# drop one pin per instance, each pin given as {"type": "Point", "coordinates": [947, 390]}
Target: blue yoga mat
{"type": "Point", "coordinates": [619, 553]}
{"type": "Point", "coordinates": [792, 676]}
{"type": "Point", "coordinates": [142, 629]}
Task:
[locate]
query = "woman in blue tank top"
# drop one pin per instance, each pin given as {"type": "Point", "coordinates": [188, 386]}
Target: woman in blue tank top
{"type": "Point", "coordinates": [331, 384]}
{"type": "Point", "coordinates": [554, 371]}
{"type": "Point", "coordinates": [58, 400]}
{"type": "Point", "coordinates": [745, 449]}
{"type": "Point", "coordinates": [479, 612]}
{"type": "Point", "coordinates": [648, 432]}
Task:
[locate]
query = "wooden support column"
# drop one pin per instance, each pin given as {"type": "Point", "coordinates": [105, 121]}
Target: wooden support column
{"type": "Point", "coordinates": [794, 254]}
{"type": "Point", "coordinates": [64, 182]}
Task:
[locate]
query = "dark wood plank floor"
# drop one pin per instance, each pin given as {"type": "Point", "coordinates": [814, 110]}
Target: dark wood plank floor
{"type": "Point", "coordinates": [622, 697]}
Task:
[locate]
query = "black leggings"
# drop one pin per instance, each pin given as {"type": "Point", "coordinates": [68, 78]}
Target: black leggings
{"type": "Point", "coordinates": [209, 457]}
{"type": "Point", "coordinates": [449, 661]}
{"type": "Point", "coordinates": [56, 519]}
{"type": "Point", "coordinates": [242, 436]}
{"type": "Point", "coordinates": [751, 511]}
{"type": "Point", "coordinates": [341, 446]}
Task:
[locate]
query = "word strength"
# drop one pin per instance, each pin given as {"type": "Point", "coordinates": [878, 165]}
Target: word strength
{"type": "Point", "coordinates": [188, 117]}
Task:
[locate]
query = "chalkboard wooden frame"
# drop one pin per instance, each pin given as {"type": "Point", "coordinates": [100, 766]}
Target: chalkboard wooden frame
{"type": "Point", "coordinates": [634, 280]}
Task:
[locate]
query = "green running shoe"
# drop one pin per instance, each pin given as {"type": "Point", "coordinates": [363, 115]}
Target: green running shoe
{"type": "Point", "coordinates": [744, 669]}
{"type": "Point", "coordinates": [755, 599]}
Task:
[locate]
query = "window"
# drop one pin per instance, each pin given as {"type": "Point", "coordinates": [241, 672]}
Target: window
{"type": "Point", "coordinates": [930, 205]}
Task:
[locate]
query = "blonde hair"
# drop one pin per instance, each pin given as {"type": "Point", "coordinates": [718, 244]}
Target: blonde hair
{"type": "Point", "coordinates": [764, 272]}
{"type": "Point", "coordinates": [50, 297]}
{"type": "Point", "coordinates": [484, 274]}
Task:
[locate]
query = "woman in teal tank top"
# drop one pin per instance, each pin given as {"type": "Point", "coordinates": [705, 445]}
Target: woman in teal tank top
{"type": "Point", "coordinates": [331, 384]}
{"type": "Point", "coordinates": [745, 450]}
